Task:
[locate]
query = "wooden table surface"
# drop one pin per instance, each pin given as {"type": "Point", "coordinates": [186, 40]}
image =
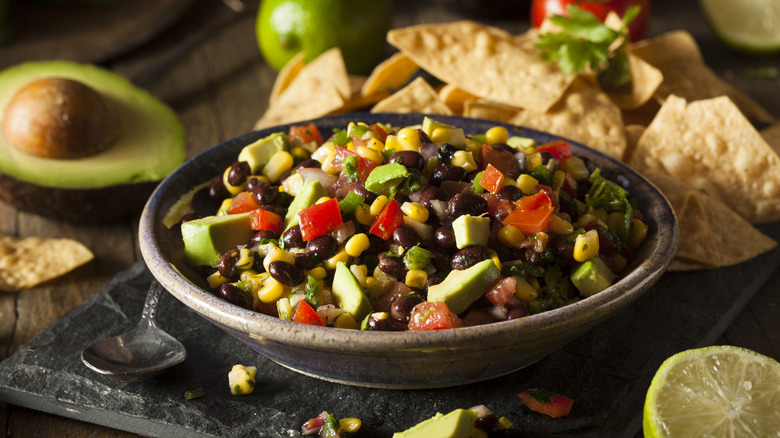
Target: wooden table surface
{"type": "Point", "coordinates": [219, 90]}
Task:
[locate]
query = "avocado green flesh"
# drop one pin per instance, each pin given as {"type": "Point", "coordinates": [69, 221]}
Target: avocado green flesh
{"type": "Point", "coordinates": [456, 424]}
{"type": "Point", "coordinates": [206, 239]}
{"type": "Point", "coordinates": [150, 144]}
{"type": "Point", "coordinates": [348, 293]}
{"type": "Point", "coordinates": [592, 276]}
{"type": "Point", "coordinates": [463, 287]}
{"type": "Point", "coordinates": [309, 194]}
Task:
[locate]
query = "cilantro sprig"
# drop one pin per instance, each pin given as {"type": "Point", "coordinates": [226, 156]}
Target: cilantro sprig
{"type": "Point", "coordinates": [584, 42]}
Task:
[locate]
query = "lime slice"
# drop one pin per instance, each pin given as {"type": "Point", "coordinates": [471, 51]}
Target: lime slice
{"type": "Point", "coordinates": [719, 391]}
{"type": "Point", "coordinates": [747, 25]}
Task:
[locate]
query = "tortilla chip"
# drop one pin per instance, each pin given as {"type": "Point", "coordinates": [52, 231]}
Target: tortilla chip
{"type": "Point", "coordinates": [417, 97]}
{"type": "Point", "coordinates": [643, 115]}
{"type": "Point", "coordinates": [711, 146]}
{"type": "Point", "coordinates": [320, 88]}
{"type": "Point", "coordinates": [772, 136]}
{"type": "Point", "coordinates": [645, 80]}
{"type": "Point", "coordinates": [484, 61]}
{"type": "Point", "coordinates": [685, 74]}
{"type": "Point", "coordinates": [359, 102]}
{"type": "Point", "coordinates": [585, 114]}
{"type": "Point", "coordinates": [483, 109]}
{"type": "Point", "coordinates": [25, 263]}
{"type": "Point", "coordinates": [286, 75]}
{"type": "Point", "coordinates": [696, 243]}
{"type": "Point", "coordinates": [390, 75]}
{"type": "Point", "coordinates": [455, 98]}
{"type": "Point", "coordinates": [633, 133]}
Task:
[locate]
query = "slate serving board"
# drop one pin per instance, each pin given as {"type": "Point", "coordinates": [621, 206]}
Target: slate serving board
{"type": "Point", "coordinates": [606, 371]}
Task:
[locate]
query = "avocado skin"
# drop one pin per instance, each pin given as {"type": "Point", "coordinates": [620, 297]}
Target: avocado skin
{"type": "Point", "coordinates": [82, 206]}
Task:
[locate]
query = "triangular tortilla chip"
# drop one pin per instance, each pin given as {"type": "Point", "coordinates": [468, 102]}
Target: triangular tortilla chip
{"type": "Point", "coordinates": [482, 109]}
{"type": "Point", "coordinates": [485, 61]}
{"type": "Point", "coordinates": [645, 80]}
{"type": "Point", "coordinates": [696, 242]}
{"type": "Point", "coordinates": [286, 75]}
{"type": "Point", "coordinates": [711, 146]}
{"type": "Point", "coordinates": [772, 136]}
{"type": "Point", "coordinates": [455, 98]}
{"type": "Point", "coordinates": [417, 97]}
{"type": "Point", "coordinates": [390, 75]}
{"type": "Point", "coordinates": [25, 263]}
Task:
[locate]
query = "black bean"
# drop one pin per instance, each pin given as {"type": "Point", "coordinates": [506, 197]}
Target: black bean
{"type": "Point", "coordinates": [448, 172]}
{"type": "Point", "coordinates": [322, 247]}
{"type": "Point", "coordinates": [444, 236]}
{"type": "Point", "coordinates": [303, 261]}
{"type": "Point", "coordinates": [227, 263]}
{"type": "Point", "coordinates": [259, 236]}
{"type": "Point", "coordinates": [235, 295]}
{"type": "Point", "coordinates": [503, 147]}
{"type": "Point", "coordinates": [439, 261]}
{"type": "Point", "coordinates": [468, 257]}
{"type": "Point", "coordinates": [429, 194]}
{"type": "Point", "coordinates": [546, 156]}
{"type": "Point", "coordinates": [379, 321]}
{"type": "Point", "coordinates": [217, 190]}
{"type": "Point", "coordinates": [190, 217]}
{"type": "Point", "coordinates": [308, 163]}
{"type": "Point", "coordinates": [405, 236]}
{"type": "Point", "coordinates": [286, 273]}
{"type": "Point", "coordinates": [509, 193]}
{"type": "Point", "coordinates": [409, 159]}
{"type": "Point", "coordinates": [376, 245]}
{"type": "Point", "coordinates": [360, 189]}
{"type": "Point", "coordinates": [263, 193]}
{"type": "Point", "coordinates": [466, 203]}
{"type": "Point", "coordinates": [238, 173]}
{"type": "Point", "coordinates": [392, 266]}
{"type": "Point", "coordinates": [293, 238]}
{"type": "Point", "coordinates": [401, 308]}
{"type": "Point", "coordinates": [445, 153]}
{"type": "Point", "coordinates": [528, 255]}
{"type": "Point", "coordinates": [423, 136]}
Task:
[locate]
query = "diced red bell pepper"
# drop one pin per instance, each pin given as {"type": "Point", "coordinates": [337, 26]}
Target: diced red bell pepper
{"type": "Point", "coordinates": [305, 133]}
{"type": "Point", "coordinates": [531, 214]}
{"type": "Point", "coordinates": [559, 149]}
{"type": "Point", "coordinates": [380, 132]}
{"type": "Point", "coordinates": [548, 403]}
{"type": "Point", "coordinates": [260, 219]}
{"type": "Point", "coordinates": [319, 219]}
{"type": "Point", "coordinates": [433, 315]}
{"type": "Point", "coordinates": [492, 179]}
{"type": "Point", "coordinates": [387, 221]}
{"type": "Point", "coordinates": [364, 167]}
{"type": "Point", "coordinates": [305, 314]}
{"type": "Point", "coordinates": [242, 203]}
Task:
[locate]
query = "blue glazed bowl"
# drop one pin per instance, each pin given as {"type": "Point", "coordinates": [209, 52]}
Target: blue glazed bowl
{"type": "Point", "coordinates": [402, 360]}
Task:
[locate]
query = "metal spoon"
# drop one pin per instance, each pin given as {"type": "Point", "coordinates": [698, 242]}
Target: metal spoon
{"type": "Point", "coordinates": [140, 353]}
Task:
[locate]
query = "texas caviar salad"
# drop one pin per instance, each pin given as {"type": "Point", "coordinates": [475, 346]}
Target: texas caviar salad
{"type": "Point", "coordinates": [408, 228]}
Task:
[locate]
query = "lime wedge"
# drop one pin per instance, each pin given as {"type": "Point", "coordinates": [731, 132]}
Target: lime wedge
{"type": "Point", "coordinates": [719, 391]}
{"type": "Point", "coordinates": [746, 25]}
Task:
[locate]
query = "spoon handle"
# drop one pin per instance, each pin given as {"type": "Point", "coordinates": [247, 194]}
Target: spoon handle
{"type": "Point", "coordinates": [149, 315]}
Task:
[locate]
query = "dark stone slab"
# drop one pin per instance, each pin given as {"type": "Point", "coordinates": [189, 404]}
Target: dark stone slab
{"type": "Point", "coordinates": [606, 372]}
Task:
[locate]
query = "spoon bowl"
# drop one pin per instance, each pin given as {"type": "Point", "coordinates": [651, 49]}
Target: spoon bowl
{"type": "Point", "coordinates": [140, 353]}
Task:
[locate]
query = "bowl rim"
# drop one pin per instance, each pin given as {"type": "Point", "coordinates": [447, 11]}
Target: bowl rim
{"type": "Point", "coordinates": [267, 328]}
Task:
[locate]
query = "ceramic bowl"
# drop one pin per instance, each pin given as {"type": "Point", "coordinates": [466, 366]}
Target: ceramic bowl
{"type": "Point", "coordinates": [402, 359]}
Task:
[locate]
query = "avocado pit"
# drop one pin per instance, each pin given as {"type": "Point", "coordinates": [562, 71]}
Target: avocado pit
{"type": "Point", "coordinates": [59, 118]}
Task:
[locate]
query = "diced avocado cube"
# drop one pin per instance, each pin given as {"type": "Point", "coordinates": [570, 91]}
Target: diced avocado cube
{"type": "Point", "coordinates": [258, 153]}
{"type": "Point", "coordinates": [592, 276]}
{"type": "Point", "coordinates": [206, 239]}
{"type": "Point", "coordinates": [463, 287]}
{"type": "Point", "coordinates": [348, 293]}
{"type": "Point", "coordinates": [306, 197]}
{"type": "Point", "coordinates": [385, 178]}
{"type": "Point", "coordinates": [442, 133]}
{"type": "Point", "coordinates": [457, 424]}
{"type": "Point", "coordinates": [520, 143]}
{"type": "Point", "coordinates": [471, 230]}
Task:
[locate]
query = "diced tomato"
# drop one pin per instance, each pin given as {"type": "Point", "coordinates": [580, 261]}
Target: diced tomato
{"type": "Point", "coordinates": [305, 134]}
{"type": "Point", "coordinates": [380, 132]}
{"type": "Point", "coordinates": [387, 221]}
{"type": "Point", "coordinates": [492, 179]}
{"type": "Point", "coordinates": [548, 403]}
{"type": "Point", "coordinates": [559, 149]}
{"type": "Point", "coordinates": [305, 314]}
{"type": "Point", "coordinates": [433, 315]}
{"type": "Point", "coordinates": [319, 219]}
{"type": "Point", "coordinates": [531, 214]}
{"type": "Point", "coordinates": [260, 219]}
{"type": "Point", "coordinates": [364, 167]}
{"type": "Point", "coordinates": [242, 203]}
{"type": "Point", "coordinates": [502, 291]}
{"type": "Point", "coordinates": [501, 159]}
{"type": "Point", "coordinates": [550, 194]}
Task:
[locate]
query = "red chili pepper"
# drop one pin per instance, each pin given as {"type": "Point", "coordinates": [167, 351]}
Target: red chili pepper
{"type": "Point", "coordinates": [260, 219]}
{"type": "Point", "coordinates": [559, 149]}
{"type": "Point", "coordinates": [305, 314]}
{"type": "Point", "coordinates": [319, 219]}
{"type": "Point", "coordinates": [531, 214]}
{"type": "Point", "coordinates": [548, 403]}
{"type": "Point", "coordinates": [492, 179]}
{"type": "Point", "coordinates": [242, 203]}
{"type": "Point", "coordinates": [387, 221]}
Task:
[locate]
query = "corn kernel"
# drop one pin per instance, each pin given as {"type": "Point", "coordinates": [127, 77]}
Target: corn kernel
{"type": "Point", "coordinates": [321, 153]}
{"type": "Point", "coordinates": [559, 177]}
{"type": "Point", "coordinates": [276, 254]}
{"type": "Point", "coordinates": [504, 423]}
{"type": "Point", "coordinates": [409, 139]}
{"type": "Point", "coordinates": [346, 321]}
{"type": "Point", "coordinates": [216, 280]}
{"type": "Point", "coordinates": [532, 161]}
{"type": "Point", "coordinates": [340, 256]}
{"type": "Point", "coordinates": [576, 167]}
{"type": "Point", "coordinates": [321, 200]}
{"type": "Point", "coordinates": [245, 259]}
{"type": "Point", "coordinates": [511, 236]}
{"type": "Point", "coordinates": [233, 190]}
{"type": "Point", "coordinates": [415, 211]}
{"type": "Point", "coordinates": [375, 144]}
{"type": "Point", "coordinates": [284, 309]}
{"type": "Point", "coordinates": [473, 146]}
{"type": "Point", "coordinates": [586, 246]}
{"type": "Point", "coordinates": [242, 379]}
{"type": "Point", "coordinates": [560, 226]}
{"type": "Point", "coordinates": [378, 205]}
{"type": "Point", "coordinates": [416, 278]}
{"type": "Point", "coordinates": [527, 184]}
{"type": "Point", "coordinates": [223, 208]}
{"type": "Point", "coordinates": [585, 219]}
{"type": "Point", "coordinates": [279, 163]}
{"type": "Point", "coordinates": [524, 290]}
{"type": "Point", "coordinates": [350, 425]}
{"type": "Point", "coordinates": [270, 291]}
{"type": "Point", "coordinates": [618, 262]}
{"type": "Point", "coordinates": [299, 152]}
{"type": "Point", "coordinates": [637, 233]}
{"type": "Point", "coordinates": [464, 159]}
{"type": "Point", "coordinates": [529, 150]}
{"type": "Point", "coordinates": [493, 256]}
{"type": "Point", "coordinates": [391, 143]}
{"type": "Point", "coordinates": [318, 273]}
{"type": "Point", "coordinates": [360, 272]}
{"type": "Point", "coordinates": [497, 134]}
{"type": "Point", "coordinates": [363, 214]}
{"type": "Point", "coordinates": [370, 154]}
{"type": "Point", "coordinates": [600, 214]}
{"type": "Point", "coordinates": [357, 244]}
{"type": "Point", "coordinates": [327, 164]}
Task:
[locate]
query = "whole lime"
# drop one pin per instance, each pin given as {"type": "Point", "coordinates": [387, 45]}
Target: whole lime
{"type": "Point", "coordinates": [287, 27]}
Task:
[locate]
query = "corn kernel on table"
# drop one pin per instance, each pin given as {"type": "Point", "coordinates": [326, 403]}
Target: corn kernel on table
{"type": "Point", "coordinates": [219, 90]}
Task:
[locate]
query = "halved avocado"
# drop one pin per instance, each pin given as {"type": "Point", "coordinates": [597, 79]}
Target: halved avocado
{"type": "Point", "coordinates": [107, 185]}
